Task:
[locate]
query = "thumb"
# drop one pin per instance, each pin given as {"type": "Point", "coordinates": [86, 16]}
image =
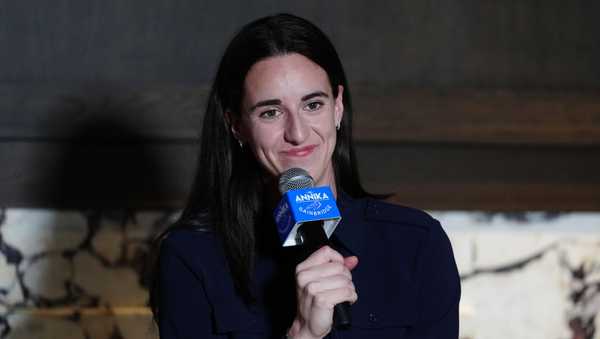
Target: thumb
{"type": "Point", "coordinates": [351, 262]}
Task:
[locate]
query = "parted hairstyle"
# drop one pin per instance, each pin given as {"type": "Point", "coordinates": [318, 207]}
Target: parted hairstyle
{"type": "Point", "coordinates": [226, 197]}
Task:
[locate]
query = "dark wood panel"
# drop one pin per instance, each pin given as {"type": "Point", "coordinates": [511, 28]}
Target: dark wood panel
{"type": "Point", "coordinates": [466, 44]}
{"type": "Point", "coordinates": [40, 112]}
{"type": "Point", "coordinates": [95, 175]}
{"type": "Point", "coordinates": [478, 116]}
{"type": "Point", "coordinates": [92, 174]}
{"type": "Point", "coordinates": [385, 115]}
{"type": "Point", "coordinates": [101, 102]}
{"type": "Point", "coordinates": [385, 165]}
{"type": "Point", "coordinates": [484, 177]}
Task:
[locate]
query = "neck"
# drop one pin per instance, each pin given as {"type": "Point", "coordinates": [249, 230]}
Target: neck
{"type": "Point", "coordinates": [328, 179]}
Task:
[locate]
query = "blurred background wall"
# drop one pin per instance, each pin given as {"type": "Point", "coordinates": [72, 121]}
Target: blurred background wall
{"type": "Point", "coordinates": [486, 113]}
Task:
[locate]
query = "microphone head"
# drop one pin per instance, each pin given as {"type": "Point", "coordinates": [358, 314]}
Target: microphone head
{"type": "Point", "coordinates": [295, 178]}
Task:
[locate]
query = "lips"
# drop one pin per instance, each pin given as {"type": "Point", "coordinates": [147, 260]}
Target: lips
{"type": "Point", "coordinates": [300, 151]}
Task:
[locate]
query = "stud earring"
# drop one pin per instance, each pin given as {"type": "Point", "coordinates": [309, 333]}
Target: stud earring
{"type": "Point", "coordinates": [234, 134]}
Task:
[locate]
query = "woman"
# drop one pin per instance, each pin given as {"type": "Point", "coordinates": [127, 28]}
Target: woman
{"type": "Point", "coordinates": [280, 100]}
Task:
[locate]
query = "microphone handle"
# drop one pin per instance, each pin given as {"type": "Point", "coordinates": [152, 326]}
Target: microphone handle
{"type": "Point", "coordinates": [313, 237]}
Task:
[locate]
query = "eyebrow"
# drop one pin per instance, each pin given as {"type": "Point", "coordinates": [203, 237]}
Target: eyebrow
{"type": "Point", "coordinates": [272, 102]}
{"type": "Point", "coordinates": [314, 95]}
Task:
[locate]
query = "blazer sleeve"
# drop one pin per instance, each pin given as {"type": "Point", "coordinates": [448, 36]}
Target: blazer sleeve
{"type": "Point", "coordinates": [184, 311]}
{"type": "Point", "coordinates": [439, 293]}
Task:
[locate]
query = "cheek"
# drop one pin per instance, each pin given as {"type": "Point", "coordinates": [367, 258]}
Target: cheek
{"type": "Point", "coordinates": [332, 141]}
{"type": "Point", "coordinates": [327, 129]}
{"type": "Point", "coordinates": [265, 140]}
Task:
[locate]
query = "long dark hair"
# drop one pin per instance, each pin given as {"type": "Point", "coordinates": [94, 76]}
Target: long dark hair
{"type": "Point", "coordinates": [226, 197]}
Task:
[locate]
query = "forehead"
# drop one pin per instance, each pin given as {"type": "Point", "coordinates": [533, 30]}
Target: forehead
{"type": "Point", "coordinates": [282, 76]}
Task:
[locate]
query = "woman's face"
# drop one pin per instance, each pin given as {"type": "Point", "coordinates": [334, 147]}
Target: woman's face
{"type": "Point", "coordinates": [289, 116]}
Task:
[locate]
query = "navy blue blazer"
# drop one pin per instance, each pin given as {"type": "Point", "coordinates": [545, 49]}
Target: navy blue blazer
{"type": "Point", "coordinates": [406, 280]}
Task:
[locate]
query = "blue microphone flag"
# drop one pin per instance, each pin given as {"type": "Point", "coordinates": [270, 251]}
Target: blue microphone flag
{"type": "Point", "coordinates": [302, 205]}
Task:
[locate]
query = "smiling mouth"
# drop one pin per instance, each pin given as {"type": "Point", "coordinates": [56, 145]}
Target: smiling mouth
{"type": "Point", "coordinates": [300, 152]}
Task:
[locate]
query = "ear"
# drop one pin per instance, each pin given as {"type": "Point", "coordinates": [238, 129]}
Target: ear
{"type": "Point", "coordinates": [339, 105]}
{"type": "Point", "coordinates": [234, 125]}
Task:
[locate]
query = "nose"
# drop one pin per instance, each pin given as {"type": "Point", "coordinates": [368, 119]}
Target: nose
{"type": "Point", "coordinates": [296, 129]}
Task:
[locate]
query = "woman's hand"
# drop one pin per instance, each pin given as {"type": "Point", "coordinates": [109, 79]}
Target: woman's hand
{"type": "Point", "coordinates": [323, 280]}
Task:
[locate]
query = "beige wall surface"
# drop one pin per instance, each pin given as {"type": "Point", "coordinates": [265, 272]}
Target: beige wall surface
{"type": "Point", "coordinates": [72, 274]}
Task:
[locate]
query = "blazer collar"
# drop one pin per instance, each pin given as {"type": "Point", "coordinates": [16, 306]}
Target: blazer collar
{"type": "Point", "coordinates": [350, 232]}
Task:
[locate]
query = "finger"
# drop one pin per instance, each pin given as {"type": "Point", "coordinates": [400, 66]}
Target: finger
{"type": "Point", "coordinates": [330, 283]}
{"type": "Point", "coordinates": [322, 255]}
{"type": "Point", "coordinates": [322, 271]}
{"type": "Point", "coordinates": [351, 262]}
{"type": "Point", "coordinates": [329, 298]}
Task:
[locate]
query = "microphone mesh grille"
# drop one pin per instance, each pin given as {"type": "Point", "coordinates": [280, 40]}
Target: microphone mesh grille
{"type": "Point", "coordinates": [295, 178]}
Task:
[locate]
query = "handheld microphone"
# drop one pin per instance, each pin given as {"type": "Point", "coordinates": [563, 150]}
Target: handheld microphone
{"type": "Point", "coordinates": [307, 216]}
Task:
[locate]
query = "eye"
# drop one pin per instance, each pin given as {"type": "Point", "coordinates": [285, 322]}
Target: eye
{"type": "Point", "coordinates": [313, 106]}
{"type": "Point", "coordinates": [270, 114]}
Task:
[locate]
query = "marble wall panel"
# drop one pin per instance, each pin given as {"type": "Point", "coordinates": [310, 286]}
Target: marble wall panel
{"type": "Point", "coordinates": [529, 275]}
{"type": "Point", "coordinates": [80, 274]}
{"type": "Point", "coordinates": [76, 274]}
